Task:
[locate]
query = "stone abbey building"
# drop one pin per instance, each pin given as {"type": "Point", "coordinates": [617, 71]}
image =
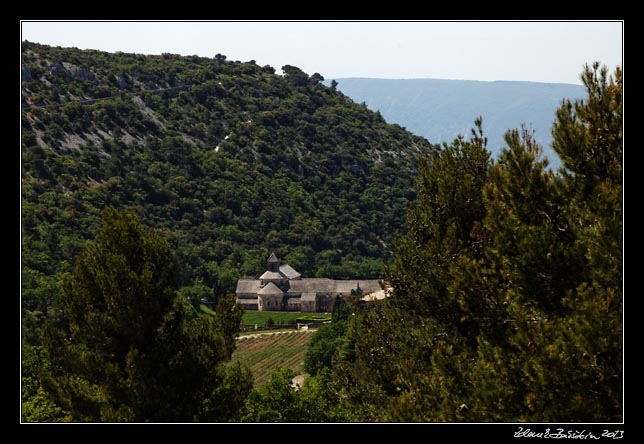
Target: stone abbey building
{"type": "Point", "coordinates": [281, 288]}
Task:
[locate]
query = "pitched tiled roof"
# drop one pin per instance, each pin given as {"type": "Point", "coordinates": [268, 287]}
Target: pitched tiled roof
{"type": "Point", "coordinates": [248, 286]}
{"type": "Point", "coordinates": [306, 285]}
{"type": "Point", "coordinates": [324, 285]}
{"type": "Point", "coordinates": [273, 258]}
{"type": "Point", "coordinates": [269, 275]}
{"type": "Point", "coordinates": [366, 285]}
{"type": "Point", "coordinates": [290, 273]}
{"type": "Point", "coordinates": [270, 289]}
{"type": "Point", "coordinates": [312, 285]}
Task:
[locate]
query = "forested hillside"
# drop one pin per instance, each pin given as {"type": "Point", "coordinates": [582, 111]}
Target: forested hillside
{"type": "Point", "coordinates": [149, 181]}
{"type": "Point", "coordinates": [228, 159]}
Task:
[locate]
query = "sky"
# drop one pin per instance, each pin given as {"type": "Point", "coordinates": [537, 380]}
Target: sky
{"type": "Point", "coordinates": [552, 52]}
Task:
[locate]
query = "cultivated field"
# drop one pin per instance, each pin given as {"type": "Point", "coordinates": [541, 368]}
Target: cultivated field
{"type": "Point", "coordinates": [265, 353]}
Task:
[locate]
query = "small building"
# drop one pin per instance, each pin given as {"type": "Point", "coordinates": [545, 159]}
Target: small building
{"type": "Point", "coordinates": [282, 288]}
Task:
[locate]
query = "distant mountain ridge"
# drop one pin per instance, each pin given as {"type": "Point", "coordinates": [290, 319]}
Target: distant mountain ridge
{"type": "Point", "coordinates": [439, 110]}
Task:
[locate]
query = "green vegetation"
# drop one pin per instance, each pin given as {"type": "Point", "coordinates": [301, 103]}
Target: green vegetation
{"type": "Point", "coordinates": [206, 309]}
{"type": "Point", "coordinates": [229, 160]}
{"type": "Point", "coordinates": [330, 342]}
{"type": "Point", "coordinates": [313, 318]}
{"type": "Point", "coordinates": [226, 160]}
{"type": "Point", "coordinates": [276, 401]}
{"type": "Point", "coordinates": [507, 300]}
{"type": "Point", "coordinates": [266, 353]}
{"type": "Point", "coordinates": [507, 277]}
{"type": "Point", "coordinates": [260, 318]}
{"type": "Point", "coordinates": [125, 333]}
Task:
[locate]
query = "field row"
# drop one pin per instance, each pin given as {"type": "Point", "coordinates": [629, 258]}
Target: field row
{"type": "Point", "coordinates": [266, 353]}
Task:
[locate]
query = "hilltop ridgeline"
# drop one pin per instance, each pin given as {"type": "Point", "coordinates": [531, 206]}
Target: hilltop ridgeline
{"type": "Point", "coordinates": [228, 159]}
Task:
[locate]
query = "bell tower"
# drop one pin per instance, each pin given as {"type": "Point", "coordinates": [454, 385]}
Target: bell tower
{"type": "Point", "coordinates": [273, 263]}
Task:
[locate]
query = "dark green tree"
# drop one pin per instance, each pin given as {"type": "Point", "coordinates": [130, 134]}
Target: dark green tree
{"type": "Point", "coordinates": [279, 401]}
{"type": "Point", "coordinates": [329, 340]}
{"type": "Point", "coordinates": [316, 78]}
{"type": "Point", "coordinates": [507, 301]}
{"type": "Point", "coordinates": [556, 258]}
{"type": "Point", "coordinates": [579, 355]}
{"type": "Point", "coordinates": [37, 406]}
{"type": "Point", "coordinates": [449, 207]}
{"type": "Point", "coordinates": [295, 75]}
{"type": "Point", "coordinates": [234, 383]}
{"type": "Point", "coordinates": [413, 345]}
{"type": "Point", "coordinates": [135, 351]}
{"type": "Point", "coordinates": [275, 401]}
{"type": "Point", "coordinates": [320, 400]}
{"type": "Point", "coordinates": [324, 345]}
{"type": "Point", "coordinates": [341, 310]}
{"type": "Point", "coordinates": [587, 134]}
{"type": "Point", "coordinates": [527, 263]}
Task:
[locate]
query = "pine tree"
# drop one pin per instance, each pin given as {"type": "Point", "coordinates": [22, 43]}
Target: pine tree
{"type": "Point", "coordinates": [580, 354]}
{"type": "Point", "coordinates": [547, 292]}
{"type": "Point", "coordinates": [135, 351]}
{"type": "Point", "coordinates": [507, 301]}
{"type": "Point", "coordinates": [414, 346]}
{"type": "Point", "coordinates": [449, 207]}
{"type": "Point", "coordinates": [551, 277]}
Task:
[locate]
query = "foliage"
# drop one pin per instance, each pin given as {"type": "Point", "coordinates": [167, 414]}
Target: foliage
{"type": "Point", "coordinates": [234, 383]}
{"type": "Point", "coordinates": [37, 405]}
{"type": "Point", "coordinates": [324, 346]}
{"type": "Point", "coordinates": [328, 339]}
{"type": "Point", "coordinates": [229, 160]}
{"type": "Point", "coordinates": [206, 309]}
{"type": "Point", "coordinates": [320, 400]}
{"type": "Point", "coordinates": [275, 401]}
{"type": "Point", "coordinates": [507, 300]}
{"type": "Point", "coordinates": [507, 286]}
{"type": "Point", "coordinates": [40, 408]}
{"type": "Point", "coordinates": [130, 334]}
{"type": "Point", "coordinates": [341, 310]}
{"type": "Point", "coordinates": [278, 401]}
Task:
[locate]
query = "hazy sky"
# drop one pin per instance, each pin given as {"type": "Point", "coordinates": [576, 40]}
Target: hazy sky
{"type": "Point", "coordinates": [533, 51]}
